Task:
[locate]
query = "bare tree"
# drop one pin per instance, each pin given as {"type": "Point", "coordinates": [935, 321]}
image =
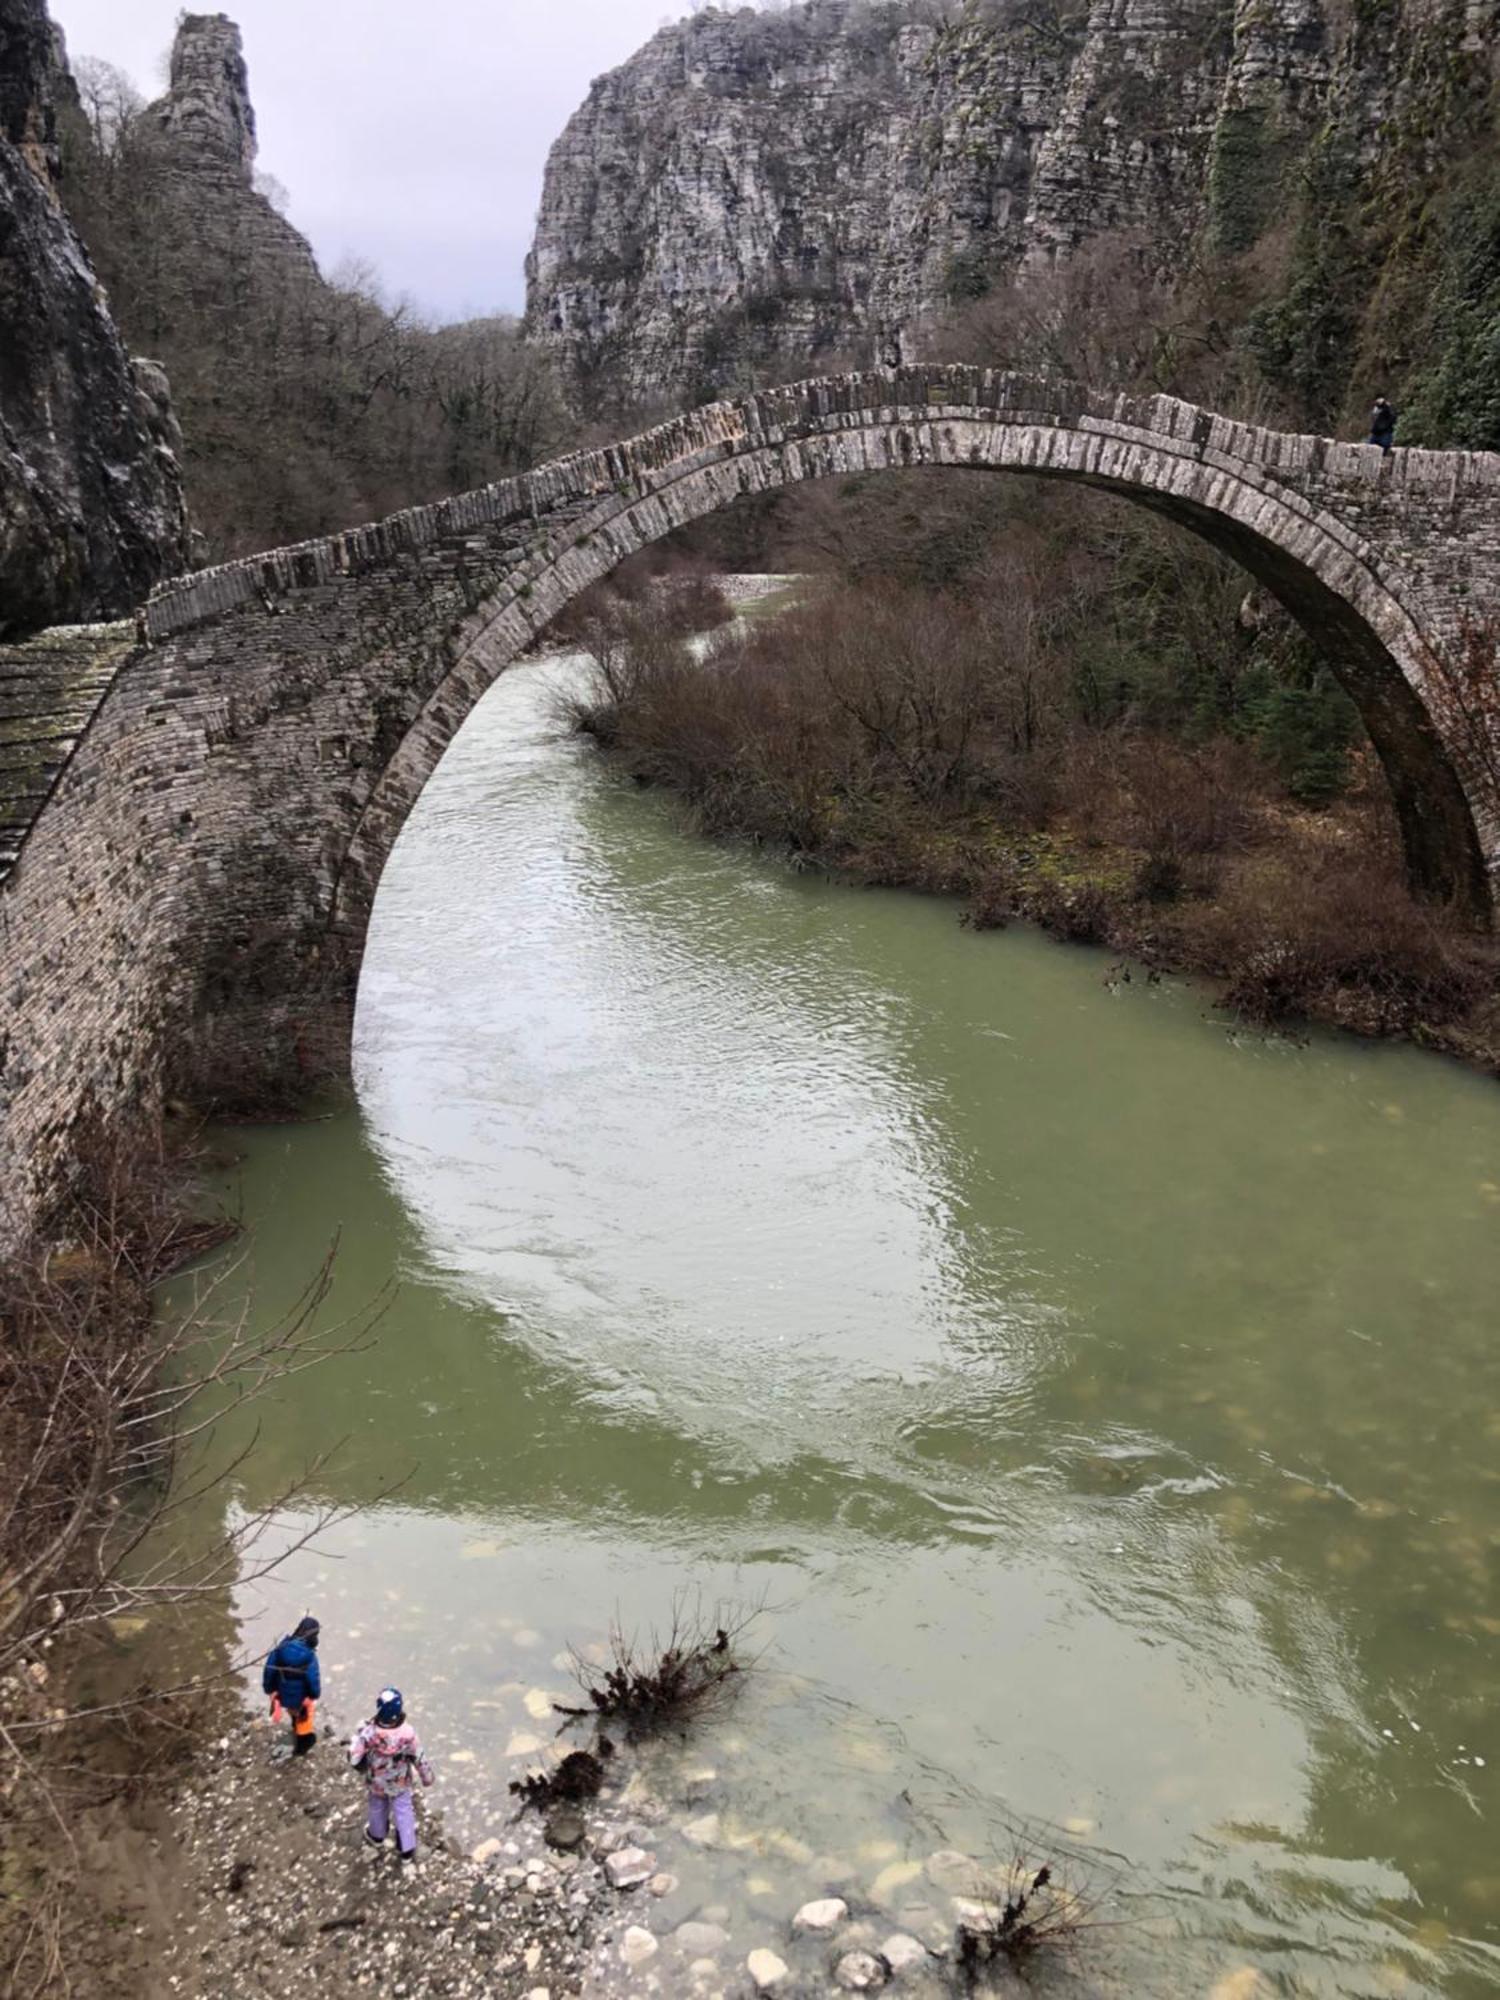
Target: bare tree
{"type": "Point", "coordinates": [106, 1406]}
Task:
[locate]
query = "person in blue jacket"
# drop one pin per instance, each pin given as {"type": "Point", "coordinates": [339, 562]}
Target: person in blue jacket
{"type": "Point", "coordinates": [293, 1682]}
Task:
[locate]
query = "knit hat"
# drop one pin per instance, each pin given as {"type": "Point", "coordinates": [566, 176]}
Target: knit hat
{"type": "Point", "coordinates": [390, 1711]}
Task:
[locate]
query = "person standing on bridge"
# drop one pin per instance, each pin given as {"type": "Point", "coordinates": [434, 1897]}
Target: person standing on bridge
{"type": "Point", "coordinates": [1382, 424]}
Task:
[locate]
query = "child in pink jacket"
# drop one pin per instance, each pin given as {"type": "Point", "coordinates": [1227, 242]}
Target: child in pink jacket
{"type": "Point", "coordinates": [386, 1749]}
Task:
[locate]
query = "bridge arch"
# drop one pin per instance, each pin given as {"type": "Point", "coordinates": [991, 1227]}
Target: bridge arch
{"type": "Point", "coordinates": [1339, 585]}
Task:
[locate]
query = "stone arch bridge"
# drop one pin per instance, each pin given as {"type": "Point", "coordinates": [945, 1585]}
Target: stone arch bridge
{"type": "Point", "coordinates": [197, 809]}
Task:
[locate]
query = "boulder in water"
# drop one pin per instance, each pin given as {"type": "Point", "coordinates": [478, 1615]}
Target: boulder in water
{"type": "Point", "coordinates": [701, 1940]}
{"type": "Point", "coordinates": [903, 1954]}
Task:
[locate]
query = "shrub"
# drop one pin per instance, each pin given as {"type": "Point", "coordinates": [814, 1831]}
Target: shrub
{"type": "Point", "coordinates": [579, 1776]}
{"type": "Point", "coordinates": [1180, 801]}
{"type": "Point", "coordinates": [1335, 933]}
{"type": "Point", "coordinates": [1034, 1911]}
{"type": "Point", "coordinates": [1078, 912]}
{"type": "Point", "coordinates": [666, 1680]}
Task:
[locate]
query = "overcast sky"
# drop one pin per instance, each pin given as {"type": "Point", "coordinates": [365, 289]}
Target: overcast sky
{"type": "Point", "coordinates": [410, 133]}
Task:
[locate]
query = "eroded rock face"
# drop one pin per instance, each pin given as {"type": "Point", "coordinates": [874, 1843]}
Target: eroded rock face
{"type": "Point", "coordinates": [793, 190]}
{"type": "Point", "coordinates": [206, 113]}
{"type": "Point", "coordinates": [778, 185]}
{"type": "Point", "coordinates": [91, 510]}
{"type": "Point", "coordinates": [205, 147]}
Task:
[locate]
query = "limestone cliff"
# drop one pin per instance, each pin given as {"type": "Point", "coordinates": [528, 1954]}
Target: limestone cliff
{"type": "Point", "coordinates": [201, 136]}
{"type": "Point", "coordinates": [760, 190]}
{"type": "Point", "coordinates": [91, 509]}
{"type": "Point", "coordinates": [306, 405]}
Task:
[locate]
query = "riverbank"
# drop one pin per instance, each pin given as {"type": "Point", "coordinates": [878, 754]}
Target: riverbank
{"type": "Point", "coordinates": [255, 1875]}
{"type": "Point", "coordinates": [270, 1882]}
{"type": "Point", "coordinates": [1298, 935]}
{"type": "Point", "coordinates": [888, 740]}
{"type": "Point", "coordinates": [278, 1887]}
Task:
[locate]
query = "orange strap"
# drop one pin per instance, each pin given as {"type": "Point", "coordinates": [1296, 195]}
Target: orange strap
{"type": "Point", "coordinates": [302, 1721]}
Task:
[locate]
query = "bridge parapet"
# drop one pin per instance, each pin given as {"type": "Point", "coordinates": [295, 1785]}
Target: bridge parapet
{"type": "Point", "coordinates": [1312, 466]}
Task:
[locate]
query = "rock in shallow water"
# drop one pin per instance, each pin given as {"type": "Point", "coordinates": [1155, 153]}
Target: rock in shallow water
{"type": "Point", "coordinates": [903, 1954]}
{"type": "Point", "coordinates": [637, 1946]}
{"type": "Point", "coordinates": [700, 1940]}
{"type": "Point", "coordinates": [958, 1874]}
{"type": "Point", "coordinates": [975, 1916]}
{"type": "Point", "coordinates": [891, 1880]}
{"type": "Point", "coordinates": [629, 1867]}
{"type": "Point", "coordinates": [565, 1828]}
{"type": "Point", "coordinates": [826, 1914]}
{"type": "Point", "coordinates": [766, 1969]}
{"type": "Point", "coordinates": [1245, 1984]}
{"type": "Point", "coordinates": [860, 1972]}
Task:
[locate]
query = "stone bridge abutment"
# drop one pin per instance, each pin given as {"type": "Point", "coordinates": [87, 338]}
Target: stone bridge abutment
{"type": "Point", "coordinates": [201, 841]}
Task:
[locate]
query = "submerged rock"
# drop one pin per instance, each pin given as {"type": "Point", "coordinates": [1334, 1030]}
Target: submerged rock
{"type": "Point", "coordinates": [564, 1828]}
{"type": "Point", "coordinates": [637, 1946]}
{"type": "Point", "coordinates": [701, 1940]}
{"type": "Point", "coordinates": [826, 1914]}
{"type": "Point", "coordinates": [860, 1971]}
{"type": "Point", "coordinates": [891, 1880]}
{"type": "Point", "coordinates": [766, 1969]}
{"type": "Point", "coordinates": [629, 1867]}
{"type": "Point", "coordinates": [903, 1954]}
{"type": "Point", "coordinates": [975, 1916]}
{"type": "Point", "coordinates": [958, 1874]}
{"type": "Point", "coordinates": [1246, 1983]}
{"type": "Point", "coordinates": [703, 1832]}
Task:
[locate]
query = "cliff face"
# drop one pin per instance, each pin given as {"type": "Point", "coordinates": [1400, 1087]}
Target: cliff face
{"type": "Point", "coordinates": [760, 190]}
{"type": "Point", "coordinates": [202, 146]}
{"type": "Point", "coordinates": [91, 509]}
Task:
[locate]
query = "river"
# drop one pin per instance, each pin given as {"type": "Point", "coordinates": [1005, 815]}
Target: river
{"type": "Point", "coordinates": [1103, 1409]}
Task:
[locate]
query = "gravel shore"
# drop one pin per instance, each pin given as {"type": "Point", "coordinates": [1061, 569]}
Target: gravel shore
{"type": "Point", "coordinates": [283, 1889]}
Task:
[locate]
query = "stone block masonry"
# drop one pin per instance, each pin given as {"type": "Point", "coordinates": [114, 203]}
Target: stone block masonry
{"type": "Point", "coordinates": [196, 866]}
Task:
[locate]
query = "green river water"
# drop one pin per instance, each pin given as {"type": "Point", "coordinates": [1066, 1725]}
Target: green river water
{"type": "Point", "coordinates": [1104, 1408]}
